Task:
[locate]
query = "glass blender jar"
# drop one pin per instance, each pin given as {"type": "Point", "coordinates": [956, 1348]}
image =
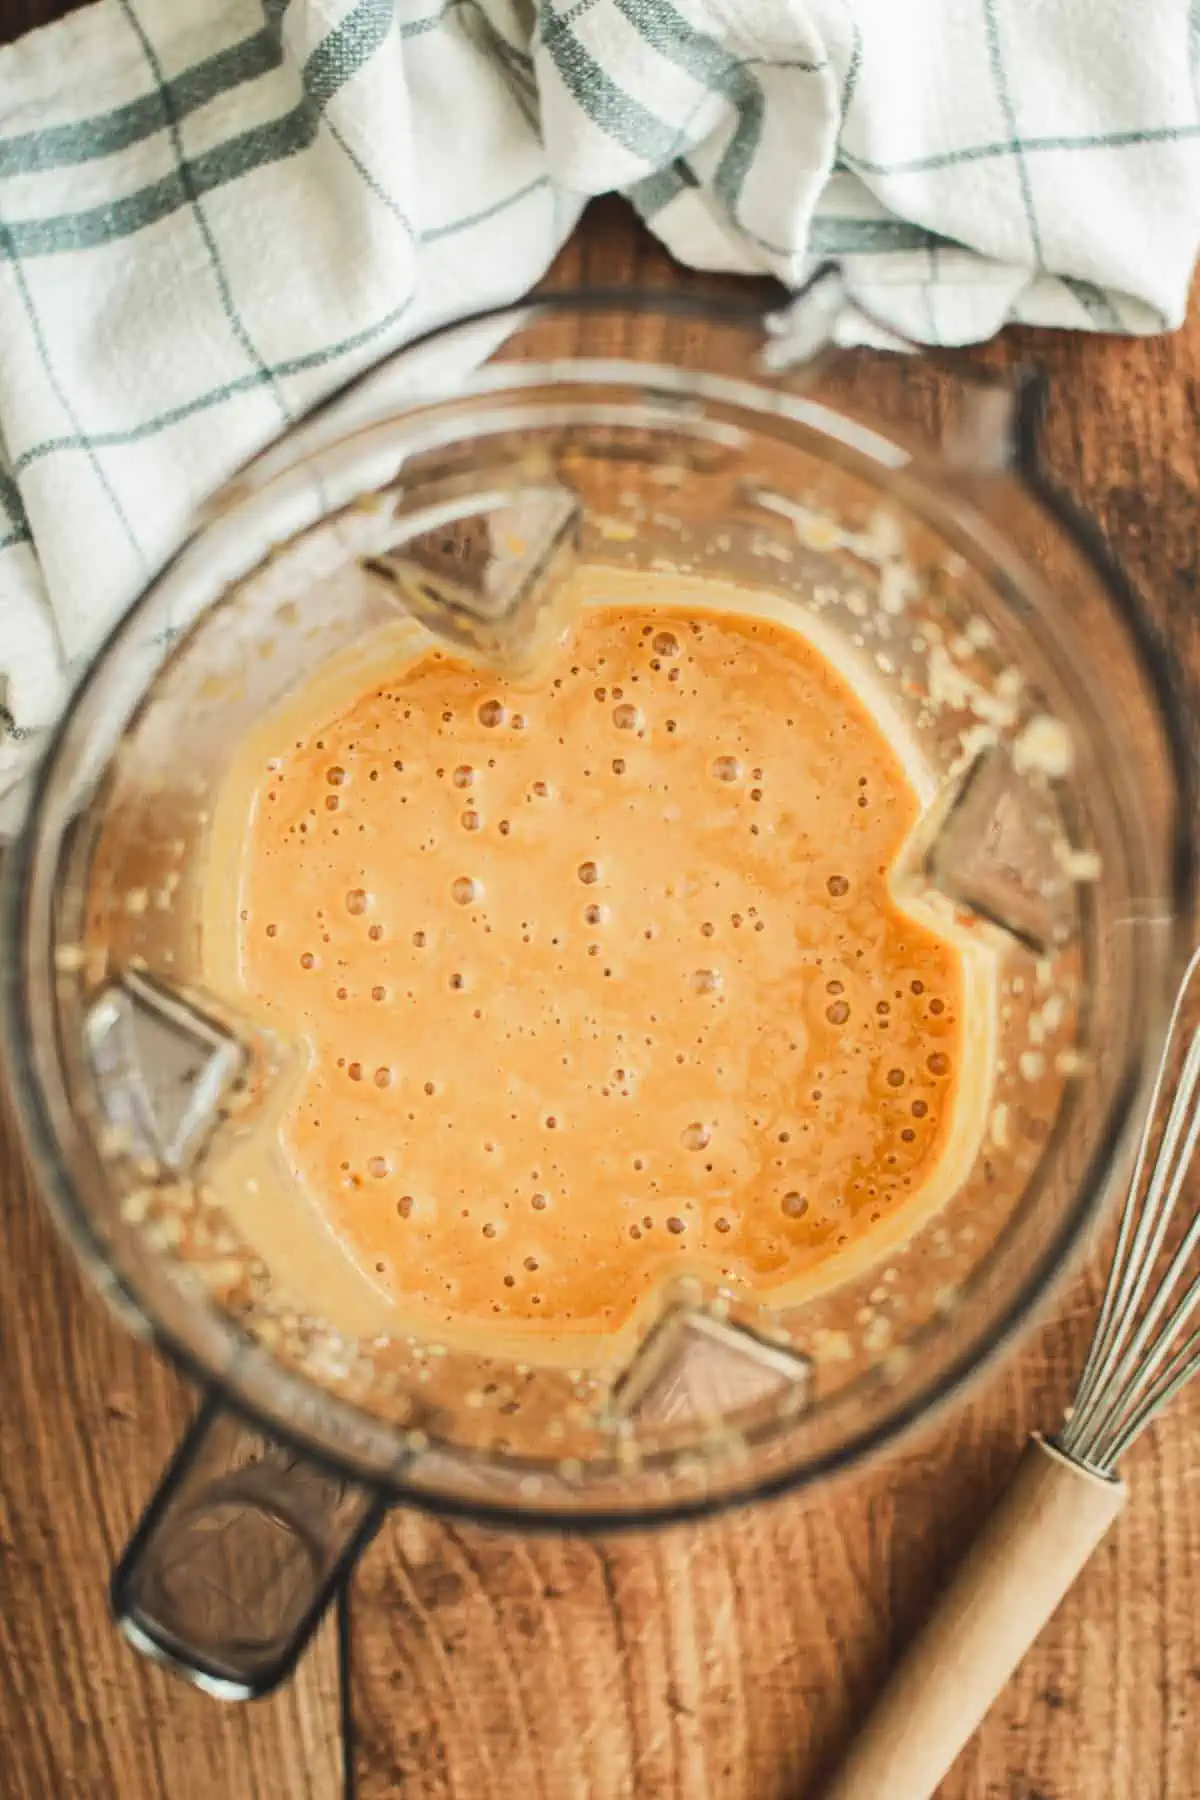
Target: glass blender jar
{"type": "Point", "coordinates": [456, 486]}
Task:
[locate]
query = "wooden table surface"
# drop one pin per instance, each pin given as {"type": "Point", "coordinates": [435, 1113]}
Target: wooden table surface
{"type": "Point", "coordinates": [724, 1661]}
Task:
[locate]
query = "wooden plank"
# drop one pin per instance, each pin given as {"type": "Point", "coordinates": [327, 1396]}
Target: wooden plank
{"type": "Point", "coordinates": [87, 1420]}
{"type": "Point", "coordinates": [729, 1661]}
{"type": "Point", "coordinates": [19, 16]}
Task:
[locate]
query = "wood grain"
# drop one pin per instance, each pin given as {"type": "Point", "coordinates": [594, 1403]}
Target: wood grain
{"type": "Point", "coordinates": [19, 16]}
{"type": "Point", "coordinates": [87, 1420]}
{"type": "Point", "coordinates": [729, 1661]}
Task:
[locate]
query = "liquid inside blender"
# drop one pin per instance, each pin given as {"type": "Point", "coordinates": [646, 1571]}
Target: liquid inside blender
{"type": "Point", "coordinates": [602, 979]}
{"type": "Point", "coordinates": [580, 1050]}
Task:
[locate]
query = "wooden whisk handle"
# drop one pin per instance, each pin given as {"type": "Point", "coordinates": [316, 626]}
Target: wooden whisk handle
{"type": "Point", "coordinates": [1046, 1526]}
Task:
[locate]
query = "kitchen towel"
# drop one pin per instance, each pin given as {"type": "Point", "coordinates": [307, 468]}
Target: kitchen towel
{"type": "Point", "coordinates": [213, 211]}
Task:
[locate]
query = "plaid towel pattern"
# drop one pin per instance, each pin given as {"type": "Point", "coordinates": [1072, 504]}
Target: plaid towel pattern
{"type": "Point", "coordinates": [213, 211]}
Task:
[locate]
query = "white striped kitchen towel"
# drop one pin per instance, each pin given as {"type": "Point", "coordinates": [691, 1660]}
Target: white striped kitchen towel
{"type": "Point", "coordinates": [211, 211]}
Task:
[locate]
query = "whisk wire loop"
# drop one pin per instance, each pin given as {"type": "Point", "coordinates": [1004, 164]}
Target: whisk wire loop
{"type": "Point", "coordinates": [1137, 1360]}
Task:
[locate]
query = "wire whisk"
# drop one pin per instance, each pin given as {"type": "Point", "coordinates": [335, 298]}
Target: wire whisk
{"type": "Point", "coordinates": [1139, 1359]}
{"type": "Point", "coordinates": [1065, 1493]}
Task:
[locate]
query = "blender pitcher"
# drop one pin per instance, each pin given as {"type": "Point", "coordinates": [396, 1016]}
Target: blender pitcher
{"type": "Point", "coordinates": [451, 491]}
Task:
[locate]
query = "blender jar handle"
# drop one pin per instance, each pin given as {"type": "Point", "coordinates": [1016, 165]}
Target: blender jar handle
{"type": "Point", "coordinates": [238, 1555]}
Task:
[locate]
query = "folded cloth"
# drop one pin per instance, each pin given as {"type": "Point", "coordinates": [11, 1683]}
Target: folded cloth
{"type": "Point", "coordinates": [213, 211]}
